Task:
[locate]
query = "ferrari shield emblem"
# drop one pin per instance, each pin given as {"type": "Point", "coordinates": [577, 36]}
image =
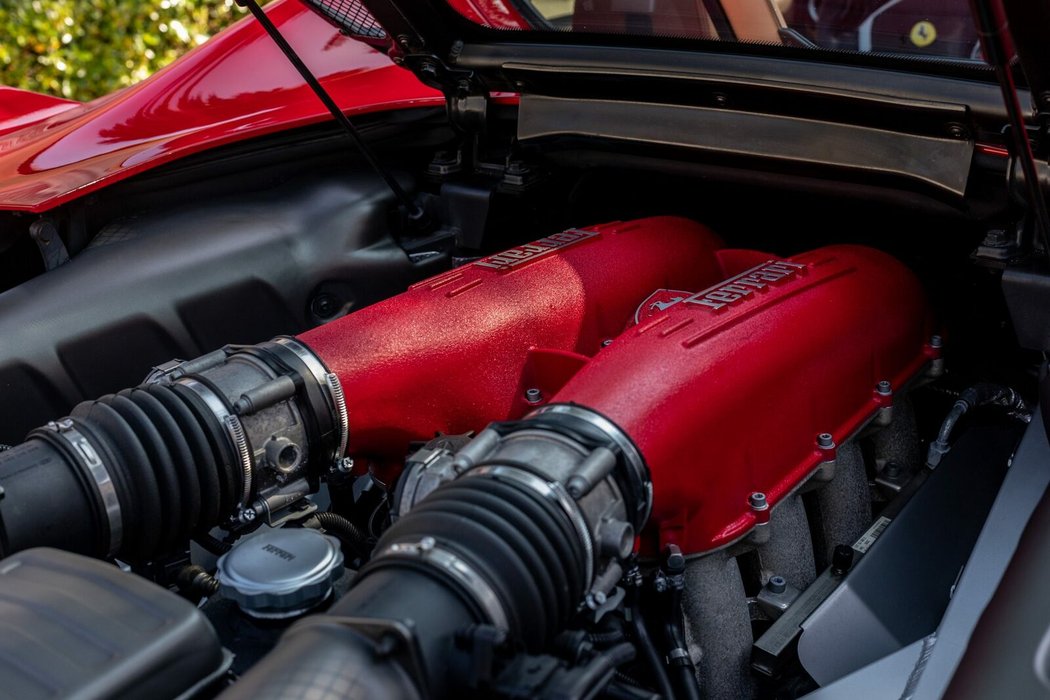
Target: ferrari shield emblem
{"type": "Point", "coordinates": [660, 300]}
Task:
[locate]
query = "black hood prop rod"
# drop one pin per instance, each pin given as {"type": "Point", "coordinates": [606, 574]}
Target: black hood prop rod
{"type": "Point", "coordinates": [412, 208]}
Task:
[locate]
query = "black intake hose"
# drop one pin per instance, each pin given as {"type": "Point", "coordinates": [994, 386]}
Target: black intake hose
{"type": "Point", "coordinates": [503, 546]}
{"type": "Point", "coordinates": [516, 547]}
{"type": "Point", "coordinates": [129, 474]}
{"type": "Point", "coordinates": [136, 474]}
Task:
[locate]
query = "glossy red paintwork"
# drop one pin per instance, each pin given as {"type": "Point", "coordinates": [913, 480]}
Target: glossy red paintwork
{"type": "Point", "coordinates": [234, 87]}
{"type": "Point", "coordinates": [726, 401]}
{"type": "Point", "coordinates": [20, 108]}
{"type": "Point", "coordinates": [499, 14]}
{"type": "Point", "coordinates": [458, 351]}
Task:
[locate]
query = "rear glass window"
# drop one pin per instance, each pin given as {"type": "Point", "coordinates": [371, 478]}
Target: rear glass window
{"type": "Point", "coordinates": [935, 28]}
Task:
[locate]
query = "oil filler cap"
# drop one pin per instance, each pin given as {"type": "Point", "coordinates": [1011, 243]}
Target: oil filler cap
{"type": "Point", "coordinates": [280, 573]}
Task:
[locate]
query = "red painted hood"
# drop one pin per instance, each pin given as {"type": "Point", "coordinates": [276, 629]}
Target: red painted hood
{"type": "Point", "coordinates": [236, 86]}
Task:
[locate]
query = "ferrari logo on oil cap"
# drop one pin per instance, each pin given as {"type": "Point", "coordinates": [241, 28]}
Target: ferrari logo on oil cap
{"type": "Point", "coordinates": [923, 33]}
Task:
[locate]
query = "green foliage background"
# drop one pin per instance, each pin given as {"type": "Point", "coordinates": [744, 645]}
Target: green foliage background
{"type": "Point", "coordinates": [81, 49]}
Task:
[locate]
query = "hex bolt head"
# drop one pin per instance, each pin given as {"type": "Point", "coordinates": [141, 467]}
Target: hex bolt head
{"type": "Point", "coordinates": [757, 501]}
{"type": "Point", "coordinates": [936, 341]}
{"type": "Point", "coordinates": [825, 441]}
{"type": "Point", "coordinates": [884, 388]}
{"type": "Point", "coordinates": [777, 584]}
{"type": "Point", "coordinates": [841, 559]}
{"type": "Point", "coordinates": [427, 543]}
{"type": "Point", "coordinates": [533, 395]}
{"type": "Point", "coordinates": [892, 470]}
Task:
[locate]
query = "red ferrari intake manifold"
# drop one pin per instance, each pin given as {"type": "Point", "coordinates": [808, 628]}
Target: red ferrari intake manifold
{"type": "Point", "coordinates": [728, 369]}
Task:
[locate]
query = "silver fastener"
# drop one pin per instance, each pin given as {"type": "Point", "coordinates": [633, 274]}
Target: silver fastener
{"type": "Point", "coordinates": [757, 501]}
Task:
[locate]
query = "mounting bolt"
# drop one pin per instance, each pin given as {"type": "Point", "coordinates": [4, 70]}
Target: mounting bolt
{"type": "Point", "coordinates": [777, 584]}
{"type": "Point", "coordinates": [884, 388]}
{"type": "Point", "coordinates": [247, 516]}
{"type": "Point", "coordinates": [757, 501]}
{"type": "Point", "coordinates": [841, 559]}
{"type": "Point", "coordinates": [720, 99]}
{"type": "Point", "coordinates": [956, 131]}
{"type": "Point", "coordinates": [936, 342]}
{"type": "Point", "coordinates": [892, 470]}
{"type": "Point", "coordinates": [427, 543]}
{"type": "Point", "coordinates": [825, 441]}
{"type": "Point", "coordinates": [596, 599]}
{"type": "Point", "coordinates": [429, 69]}
{"type": "Point", "coordinates": [533, 395]}
{"type": "Point", "coordinates": [607, 342]}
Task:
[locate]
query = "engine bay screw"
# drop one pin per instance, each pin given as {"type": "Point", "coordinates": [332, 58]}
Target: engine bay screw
{"type": "Point", "coordinates": [825, 441]}
{"type": "Point", "coordinates": [533, 395]}
{"type": "Point", "coordinates": [776, 584]}
{"type": "Point", "coordinates": [427, 543]}
{"type": "Point", "coordinates": [607, 342]}
{"type": "Point", "coordinates": [841, 559]}
{"type": "Point", "coordinates": [892, 470]}
{"type": "Point", "coordinates": [936, 341]}
{"type": "Point", "coordinates": [247, 516]}
{"type": "Point", "coordinates": [757, 501]}
{"type": "Point", "coordinates": [884, 388]}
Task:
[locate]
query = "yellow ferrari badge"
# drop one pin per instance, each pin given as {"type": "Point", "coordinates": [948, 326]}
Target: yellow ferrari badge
{"type": "Point", "coordinates": [923, 34]}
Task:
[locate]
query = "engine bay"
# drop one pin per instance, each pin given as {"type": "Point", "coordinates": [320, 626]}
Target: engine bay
{"type": "Point", "coordinates": [626, 427]}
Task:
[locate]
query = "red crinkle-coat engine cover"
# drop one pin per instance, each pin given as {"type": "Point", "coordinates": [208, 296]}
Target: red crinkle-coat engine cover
{"type": "Point", "coordinates": [457, 351]}
{"type": "Point", "coordinates": [725, 392]}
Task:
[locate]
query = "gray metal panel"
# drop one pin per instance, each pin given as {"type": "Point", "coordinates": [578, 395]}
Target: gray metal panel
{"type": "Point", "coordinates": [885, 679]}
{"type": "Point", "coordinates": [1024, 486]}
{"type": "Point", "coordinates": [898, 592]}
{"type": "Point", "coordinates": [941, 164]}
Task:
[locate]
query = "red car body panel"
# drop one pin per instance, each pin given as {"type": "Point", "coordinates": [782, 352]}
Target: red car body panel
{"type": "Point", "coordinates": [20, 108]}
{"type": "Point", "coordinates": [490, 13]}
{"type": "Point", "coordinates": [726, 391]}
{"type": "Point", "coordinates": [236, 86]}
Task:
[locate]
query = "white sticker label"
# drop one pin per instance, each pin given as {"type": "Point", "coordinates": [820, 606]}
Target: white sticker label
{"type": "Point", "coordinates": [868, 538]}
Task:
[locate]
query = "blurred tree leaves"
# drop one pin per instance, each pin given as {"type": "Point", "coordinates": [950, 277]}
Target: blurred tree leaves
{"type": "Point", "coordinates": [82, 49]}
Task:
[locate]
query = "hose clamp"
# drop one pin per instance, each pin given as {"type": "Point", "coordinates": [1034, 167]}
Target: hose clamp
{"type": "Point", "coordinates": [428, 551]}
{"type": "Point", "coordinates": [555, 493]}
{"type": "Point", "coordinates": [107, 490]}
{"type": "Point", "coordinates": [635, 471]}
{"type": "Point", "coordinates": [231, 424]}
{"type": "Point", "coordinates": [332, 389]}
